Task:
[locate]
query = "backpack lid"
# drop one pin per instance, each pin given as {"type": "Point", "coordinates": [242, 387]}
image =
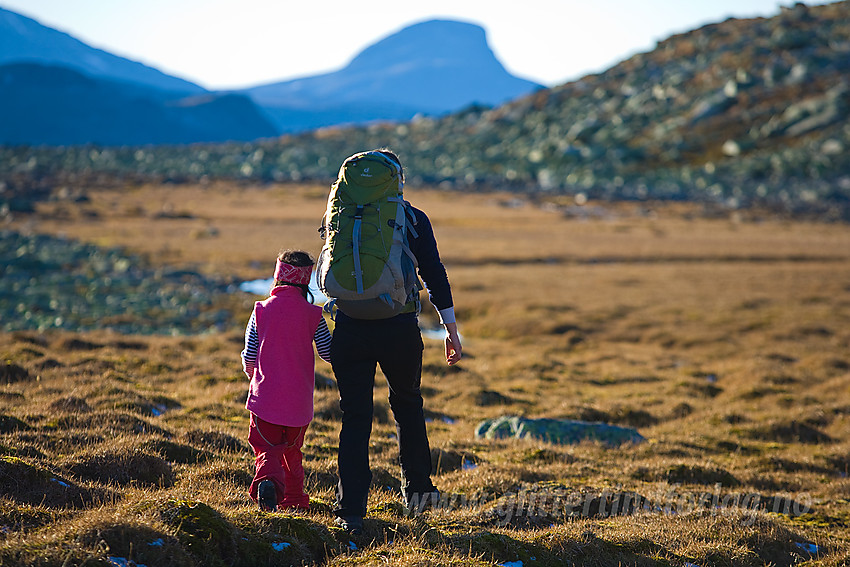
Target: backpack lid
{"type": "Point", "coordinates": [370, 169]}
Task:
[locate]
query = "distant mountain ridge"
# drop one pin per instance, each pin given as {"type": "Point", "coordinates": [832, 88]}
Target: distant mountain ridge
{"type": "Point", "coordinates": [428, 68]}
{"type": "Point", "coordinates": [56, 90]}
{"type": "Point", "coordinates": [61, 106]}
{"type": "Point", "coordinates": [24, 40]}
{"type": "Point", "coordinates": [432, 67]}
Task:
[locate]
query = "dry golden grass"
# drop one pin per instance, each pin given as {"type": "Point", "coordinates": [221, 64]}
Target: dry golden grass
{"type": "Point", "coordinates": [725, 342]}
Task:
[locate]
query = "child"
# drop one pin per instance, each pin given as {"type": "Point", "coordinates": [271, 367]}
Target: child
{"type": "Point", "coordinates": [278, 358]}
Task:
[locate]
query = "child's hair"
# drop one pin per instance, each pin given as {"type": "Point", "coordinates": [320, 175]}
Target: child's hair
{"type": "Point", "coordinates": [300, 259]}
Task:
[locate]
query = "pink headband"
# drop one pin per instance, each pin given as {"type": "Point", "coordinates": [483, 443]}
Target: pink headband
{"type": "Point", "coordinates": [292, 274]}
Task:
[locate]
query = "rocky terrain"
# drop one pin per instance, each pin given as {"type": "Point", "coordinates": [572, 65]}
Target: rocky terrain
{"type": "Point", "coordinates": [738, 113]}
{"type": "Point", "coordinates": [54, 283]}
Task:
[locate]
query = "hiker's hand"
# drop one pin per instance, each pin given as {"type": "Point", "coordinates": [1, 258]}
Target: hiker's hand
{"type": "Point", "coordinates": [453, 347]}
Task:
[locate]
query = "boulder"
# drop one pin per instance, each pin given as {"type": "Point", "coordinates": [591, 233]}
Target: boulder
{"type": "Point", "coordinates": [560, 431]}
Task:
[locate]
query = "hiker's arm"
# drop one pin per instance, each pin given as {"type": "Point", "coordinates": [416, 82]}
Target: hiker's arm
{"type": "Point", "coordinates": [437, 281]}
{"type": "Point", "coordinates": [431, 268]}
{"type": "Point", "coordinates": [322, 339]}
{"type": "Point", "coordinates": [252, 344]}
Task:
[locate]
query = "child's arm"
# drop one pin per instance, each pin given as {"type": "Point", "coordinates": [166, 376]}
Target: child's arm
{"type": "Point", "coordinates": [323, 341]}
{"type": "Point", "coordinates": [252, 344]}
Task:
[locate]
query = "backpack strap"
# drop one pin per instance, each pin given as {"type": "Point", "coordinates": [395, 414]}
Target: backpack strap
{"type": "Point", "coordinates": [400, 220]}
{"type": "Point", "coordinates": [408, 210]}
{"type": "Point", "coordinates": [355, 238]}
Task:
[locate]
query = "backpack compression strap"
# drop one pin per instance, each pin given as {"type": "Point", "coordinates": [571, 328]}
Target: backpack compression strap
{"type": "Point", "coordinates": [355, 238]}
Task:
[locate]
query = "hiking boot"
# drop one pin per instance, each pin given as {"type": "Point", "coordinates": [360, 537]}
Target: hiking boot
{"type": "Point", "coordinates": [267, 496]}
{"type": "Point", "coordinates": [418, 502]}
{"type": "Point", "coordinates": [352, 524]}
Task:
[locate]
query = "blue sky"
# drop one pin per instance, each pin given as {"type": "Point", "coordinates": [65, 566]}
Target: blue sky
{"type": "Point", "coordinates": [223, 44]}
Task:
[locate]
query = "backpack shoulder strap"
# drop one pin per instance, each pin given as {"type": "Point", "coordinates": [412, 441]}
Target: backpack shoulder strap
{"type": "Point", "coordinates": [408, 209]}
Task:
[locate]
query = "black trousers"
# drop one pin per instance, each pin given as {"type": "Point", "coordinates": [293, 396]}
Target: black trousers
{"type": "Point", "coordinates": [358, 347]}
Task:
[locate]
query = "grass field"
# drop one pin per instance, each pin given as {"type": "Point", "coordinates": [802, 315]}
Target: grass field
{"type": "Point", "coordinates": [724, 339]}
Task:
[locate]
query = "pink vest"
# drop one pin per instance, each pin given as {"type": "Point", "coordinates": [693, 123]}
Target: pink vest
{"type": "Point", "coordinates": [281, 390]}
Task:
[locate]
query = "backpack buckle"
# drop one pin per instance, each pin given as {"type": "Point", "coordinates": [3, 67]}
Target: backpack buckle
{"type": "Point", "coordinates": [330, 308]}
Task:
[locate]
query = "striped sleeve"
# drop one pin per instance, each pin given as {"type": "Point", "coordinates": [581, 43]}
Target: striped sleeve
{"type": "Point", "coordinates": [323, 340]}
{"type": "Point", "coordinates": [252, 345]}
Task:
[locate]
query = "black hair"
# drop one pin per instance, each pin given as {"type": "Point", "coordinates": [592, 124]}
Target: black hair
{"type": "Point", "coordinates": [297, 258]}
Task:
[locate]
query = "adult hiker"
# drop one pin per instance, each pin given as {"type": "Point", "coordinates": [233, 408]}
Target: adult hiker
{"type": "Point", "coordinates": [375, 245]}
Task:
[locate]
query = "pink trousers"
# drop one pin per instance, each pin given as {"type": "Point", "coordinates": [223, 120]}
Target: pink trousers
{"type": "Point", "coordinates": [278, 457]}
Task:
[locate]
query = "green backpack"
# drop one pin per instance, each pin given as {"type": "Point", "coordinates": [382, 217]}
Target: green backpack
{"type": "Point", "coordinates": [366, 266]}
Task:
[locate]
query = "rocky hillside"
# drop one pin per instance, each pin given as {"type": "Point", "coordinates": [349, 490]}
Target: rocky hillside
{"type": "Point", "coordinates": [740, 112]}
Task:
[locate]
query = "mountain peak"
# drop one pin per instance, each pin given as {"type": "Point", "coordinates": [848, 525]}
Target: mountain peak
{"type": "Point", "coordinates": [435, 66]}
{"type": "Point", "coordinates": [430, 40]}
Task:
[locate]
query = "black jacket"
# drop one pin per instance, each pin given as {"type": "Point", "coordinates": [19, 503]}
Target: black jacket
{"type": "Point", "coordinates": [431, 268]}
